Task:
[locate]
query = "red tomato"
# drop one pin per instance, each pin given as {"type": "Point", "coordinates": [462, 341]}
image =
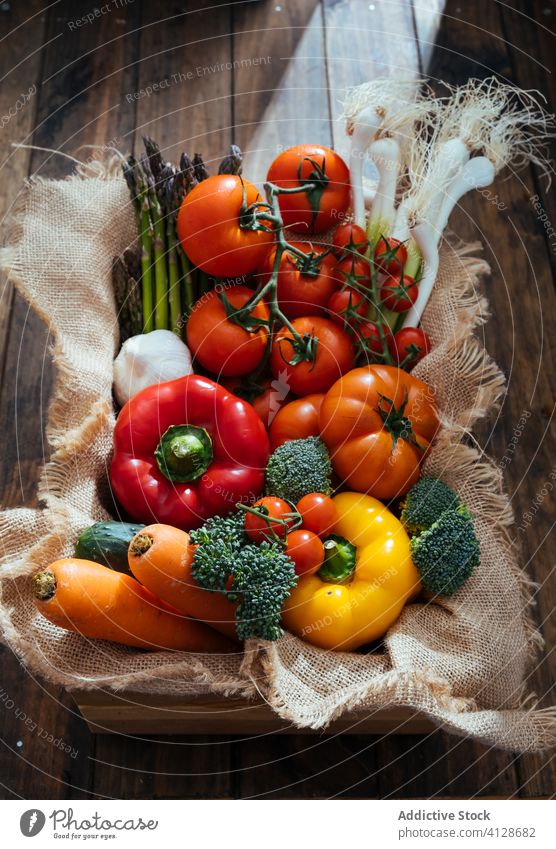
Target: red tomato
{"type": "Point", "coordinates": [306, 550]}
{"type": "Point", "coordinates": [311, 211]}
{"type": "Point", "coordinates": [368, 337]}
{"type": "Point", "coordinates": [409, 345]}
{"type": "Point", "coordinates": [334, 355]}
{"type": "Point", "coordinates": [318, 512]}
{"type": "Point", "coordinates": [222, 347]}
{"type": "Point", "coordinates": [304, 288]}
{"type": "Point", "coordinates": [390, 255]}
{"type": "Point", "coordinates": [399, 293]}
{"type": "Point", "coordinates": [347, 307]}
{"type": "Point", "coordinates": [353, 272]}
{"type": "Point", "coordinates": [348, 239]}
{"type": "Point", "coordinates": [296, 420]}
{"type": "Point", "coordinates": [210, 232]}
{"type": "Point", "coordinates": [258, 529]}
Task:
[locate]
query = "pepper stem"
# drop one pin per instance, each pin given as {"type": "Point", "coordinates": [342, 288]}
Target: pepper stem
{"type": "Point", "coordinates": [184, 453]}
{"type": "Point", "coordinates": [340, 558]}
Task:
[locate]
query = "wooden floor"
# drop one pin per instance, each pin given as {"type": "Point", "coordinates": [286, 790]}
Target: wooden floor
{"type": "Point", "coordinates": [81, 80]}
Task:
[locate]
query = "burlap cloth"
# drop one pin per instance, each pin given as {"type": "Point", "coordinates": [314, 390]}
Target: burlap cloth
{"type": "Point", "coordinates": [462, 660]}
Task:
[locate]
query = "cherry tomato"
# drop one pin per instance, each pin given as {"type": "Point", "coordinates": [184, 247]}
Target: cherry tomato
{"type": "Point", "coordinates": [296, 420]}
{"type": "Point", "coordinates": [390, 255]}
{"type": "Point", "coordinates": [318, 209]}
{"type": "Point", "coordinates": [306, 550]}
{"type": "Point", "coordinates": [210, 232]}
{"type": "Point", "coordinates": [368, 337]}
{"type": "Point", "coordinates": [347, 307]}
{"type": "Point", "coordinates": [409, 345]}
{"type": "Point", "coordinates": [318, 512]}
{"type": "Point", "coordinates": [399, 293]}
{"type": "Point", "coordinates": [259, 529]}
{"type": "Point", "coordinates": [266, 403]}
{"type": "Point", "coordinates": [348, 239]}
{"type": "Point", "coordinates": [353, 272]}
{"type": "Point", "coordinates": [218, 344]}
{"type": "Point", "coordinates": [334, 355]}
{"type": "Point", "coordinates": [304, 286]}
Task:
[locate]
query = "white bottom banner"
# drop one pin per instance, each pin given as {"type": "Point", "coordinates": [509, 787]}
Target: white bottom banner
{"type": "Point", "coordinates": [237, 824]}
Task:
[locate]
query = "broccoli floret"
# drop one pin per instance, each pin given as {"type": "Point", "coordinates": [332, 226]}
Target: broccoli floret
{"type": "Point", "coordinates": [425, 502]}
{"type": "Point", "coordinates": [298, 467]}
{"type": "Point", "coordinates": [263, 577]}
{"type": "Point", "coordinates": [447, 552]}
{"type": "Point", "coordinates": [219, 542]}
{"type": "Point", "coordinates": [260, 577]}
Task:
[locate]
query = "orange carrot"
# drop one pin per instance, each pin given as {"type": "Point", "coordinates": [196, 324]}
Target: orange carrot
{"type": "Point", "coordinates": [160, 556]}
{"type": "Point", "coordinates": [97, 602]}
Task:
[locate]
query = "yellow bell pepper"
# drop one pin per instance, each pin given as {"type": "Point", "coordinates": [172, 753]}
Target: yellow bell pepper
{"type": "Point", "coordinates": [367, 577]}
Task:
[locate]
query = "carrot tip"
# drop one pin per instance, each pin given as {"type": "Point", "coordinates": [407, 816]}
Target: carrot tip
{"type": "Point", "coordinates": [140, 544]}
{"type": "Point", "coordinates": [44, 585]}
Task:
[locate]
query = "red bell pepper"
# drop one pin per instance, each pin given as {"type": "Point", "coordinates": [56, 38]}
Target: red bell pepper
{"type": "Point", "coordinates": [186, 450]}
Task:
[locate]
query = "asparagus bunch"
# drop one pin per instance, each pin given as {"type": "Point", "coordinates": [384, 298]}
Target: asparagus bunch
{"type": "Point", "coordinates": [169, 284]}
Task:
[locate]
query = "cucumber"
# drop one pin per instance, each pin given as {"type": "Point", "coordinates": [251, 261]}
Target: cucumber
{"type": "Point", "coordinates": [107, 543]}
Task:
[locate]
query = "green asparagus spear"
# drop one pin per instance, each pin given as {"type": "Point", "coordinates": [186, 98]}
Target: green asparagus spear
{"type": "Point", "coordinates": [146, 239]}
{"type": "Point", "coordinates": [159, 250]}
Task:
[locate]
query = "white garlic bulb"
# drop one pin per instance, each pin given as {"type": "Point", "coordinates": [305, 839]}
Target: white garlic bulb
{"type": "Point", "coordinates": [148, 359]}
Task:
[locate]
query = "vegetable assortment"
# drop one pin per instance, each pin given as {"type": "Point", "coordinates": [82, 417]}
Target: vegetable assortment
{"type": "Point", "coordinates": [271, 431]}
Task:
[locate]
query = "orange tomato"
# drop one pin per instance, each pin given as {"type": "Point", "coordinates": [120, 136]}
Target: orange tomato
{"type": "Point", "coordinates": [377, 422]}
{"type": "Point", "coordinates": [296, 420]}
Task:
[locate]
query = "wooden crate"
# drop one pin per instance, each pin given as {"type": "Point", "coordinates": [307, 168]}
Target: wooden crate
{"type": "Point", "coordinates": [137, 713]}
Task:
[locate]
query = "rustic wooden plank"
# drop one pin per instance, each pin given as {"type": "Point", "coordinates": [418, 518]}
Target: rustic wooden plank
{"type": "Point", "coordinates": [531, 42]}
{"type": "Point", "coordinates": [186, 53]}
{"type": "Point", "coordinates": [141, 714]}
{"type": "Point", "coordinates": [439, 765]}
{"type": "Point", "coordinates": [45, 743]}
{"type": "Point", "coordinates": [522, 300]}
{"type": "Point", "coordinates": [533, 63]}
{"type": "Point", "coordinates": [365, 41]}
{"type": "Point", "coordinates": [280, 88]}
{"type": "Point", "coordinates": [25, 711]}
{"type": "Point", "coordinates": [427, 15]}
{"type": "Point", "coordinates": [19, 92]}
{"type": "Point", "coordinates": [309, 767]}
{"type": "Point", "coordinates": [178, 767]}
{"type": "Point", "coordinates": [83, 76]}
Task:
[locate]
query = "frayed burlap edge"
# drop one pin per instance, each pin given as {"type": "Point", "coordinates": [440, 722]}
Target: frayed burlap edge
{"type": "Point", "coordinates": [427, 694]}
